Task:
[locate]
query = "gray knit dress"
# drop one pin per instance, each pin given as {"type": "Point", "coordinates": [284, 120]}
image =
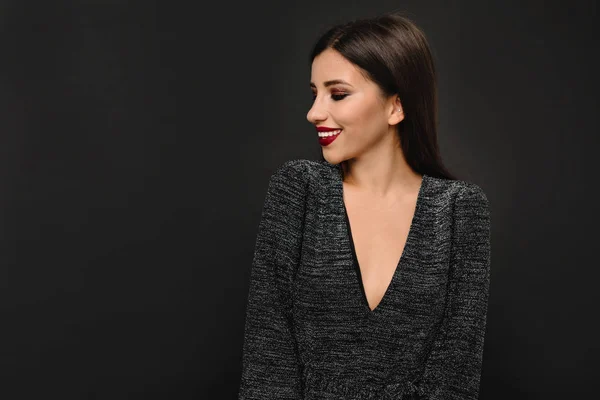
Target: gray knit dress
{"type": "Point", "coordinates": [309, 332]}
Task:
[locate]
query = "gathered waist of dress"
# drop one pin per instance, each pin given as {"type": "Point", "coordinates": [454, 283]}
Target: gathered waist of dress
{"type": "Point", "coordinates": [322, 385]}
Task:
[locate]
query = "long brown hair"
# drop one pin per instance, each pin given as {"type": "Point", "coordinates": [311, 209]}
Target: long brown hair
{"type": "Point", "coordinates": [393, 53]}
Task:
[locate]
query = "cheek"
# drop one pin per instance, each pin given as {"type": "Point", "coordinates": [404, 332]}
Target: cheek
{"type": "Point", "coordinates": [354, 114]}
{"type": "Point", "coordinates": [363, 119]}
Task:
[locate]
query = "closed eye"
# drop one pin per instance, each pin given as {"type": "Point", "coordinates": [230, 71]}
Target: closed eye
{"type": "Point", "coordinates": [336, 97]}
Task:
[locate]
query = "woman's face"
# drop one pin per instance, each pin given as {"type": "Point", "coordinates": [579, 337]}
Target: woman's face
{"type": "Point", "coordinates": [344, 99]}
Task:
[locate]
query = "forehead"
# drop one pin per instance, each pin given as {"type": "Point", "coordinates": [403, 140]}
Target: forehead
{"type": "Point", "coordinates": [331, 65]}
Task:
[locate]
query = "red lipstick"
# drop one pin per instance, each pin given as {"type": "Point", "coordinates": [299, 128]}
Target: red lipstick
{"type": "Point", "coordinates": [326, 140]}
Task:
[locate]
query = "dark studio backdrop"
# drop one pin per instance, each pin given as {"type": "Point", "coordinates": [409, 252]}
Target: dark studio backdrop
{"type": "Point", "coordinates": [137, 139]}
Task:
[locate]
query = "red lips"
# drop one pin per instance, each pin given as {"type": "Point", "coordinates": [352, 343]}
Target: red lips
{"type": "Point", "coordinates": [325, 141]}
{"type": "Point", "coordinates": [326, 129]}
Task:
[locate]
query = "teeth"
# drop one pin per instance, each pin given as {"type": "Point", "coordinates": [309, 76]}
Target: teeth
{"type": "Point", "coordinates": [326, 134]}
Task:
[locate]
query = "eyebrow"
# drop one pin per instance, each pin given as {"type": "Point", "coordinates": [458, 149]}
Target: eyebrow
{"type": "Point", "coordinates": [332, 82]}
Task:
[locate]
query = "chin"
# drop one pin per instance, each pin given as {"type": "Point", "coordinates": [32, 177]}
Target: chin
{"type": "Point", "coordinates": [332, 159]}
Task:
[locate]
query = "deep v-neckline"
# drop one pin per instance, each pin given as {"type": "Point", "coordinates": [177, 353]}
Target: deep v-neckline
{"type": "Point", "coordinates": [401, 262]}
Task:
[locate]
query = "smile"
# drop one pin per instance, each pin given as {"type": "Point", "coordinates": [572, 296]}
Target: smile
{"type": "Point", "coordinates": [327, 134]}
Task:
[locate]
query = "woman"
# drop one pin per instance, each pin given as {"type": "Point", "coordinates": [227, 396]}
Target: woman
{"type": "Point", "coordinates": [371, 271]}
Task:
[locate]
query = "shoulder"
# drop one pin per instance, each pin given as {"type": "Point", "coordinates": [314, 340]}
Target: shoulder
{"type": "Point", "coordinates": [472, 195]}
{"type": "Point", "coordinates": [292, 167]}
{"type": "Point", "coordinates": [471, 204]}
{"type": "Point", "coordinates": [304, 166]}
{"type": "Point", "coordinates": [303, 171]}
{"type": "Point", "coordinates": [458, 191]}
{"type": "Point", "coordinates": [291, 181]}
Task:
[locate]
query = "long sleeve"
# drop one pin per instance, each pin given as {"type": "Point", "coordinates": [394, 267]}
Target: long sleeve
{"type": "Point", "coordinates": [270, 366]}
{"type": "Point", "coordinates": [453, 369]}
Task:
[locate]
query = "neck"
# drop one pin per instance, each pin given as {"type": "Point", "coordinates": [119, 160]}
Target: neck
{"type": "Point", "coordinates": [381, 175]}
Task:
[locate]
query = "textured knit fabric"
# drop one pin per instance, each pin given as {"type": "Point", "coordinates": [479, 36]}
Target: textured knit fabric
{"type": "Point", "coordinates": [309, 332]}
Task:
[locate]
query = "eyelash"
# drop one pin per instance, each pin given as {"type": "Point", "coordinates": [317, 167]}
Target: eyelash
{"type": "Point", "coordinates": [335, 96]}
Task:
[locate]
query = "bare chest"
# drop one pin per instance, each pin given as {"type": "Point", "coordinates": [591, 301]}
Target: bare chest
{"type": "Point", "coordinates": [379, 237]}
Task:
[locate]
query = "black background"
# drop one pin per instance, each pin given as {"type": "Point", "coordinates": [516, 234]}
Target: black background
{"type": "Point", "coordinates": [136, 143]}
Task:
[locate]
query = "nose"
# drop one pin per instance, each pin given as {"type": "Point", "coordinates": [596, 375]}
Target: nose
{"type": "Point", "coordinates": [316, 113]}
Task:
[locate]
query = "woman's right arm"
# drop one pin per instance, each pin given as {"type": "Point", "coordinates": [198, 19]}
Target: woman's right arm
{"type": "Point", "coordinates": [270, 366]}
